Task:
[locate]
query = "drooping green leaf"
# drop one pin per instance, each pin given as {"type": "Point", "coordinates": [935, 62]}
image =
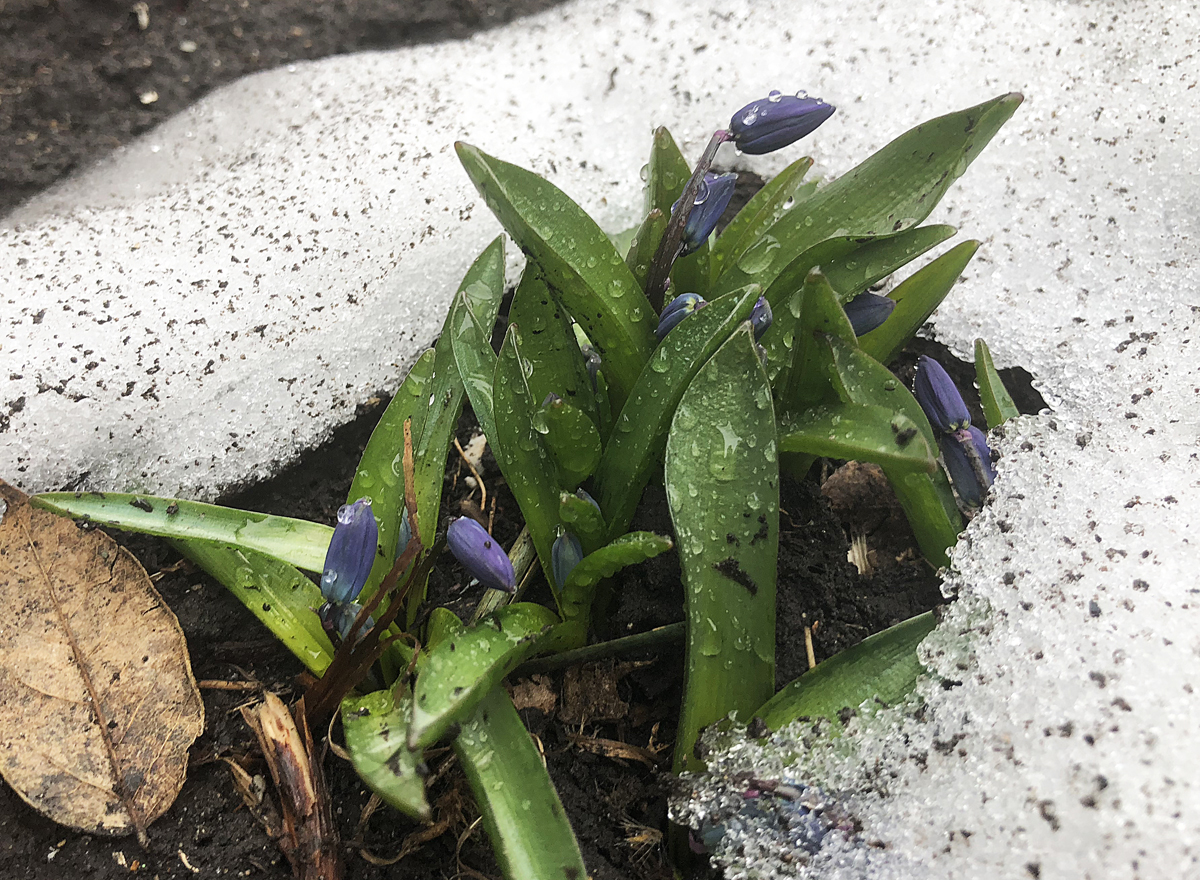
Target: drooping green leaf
{"type": "Point", "coordinates": [582, 519]}
{"type": "Point", "coordinates": [858, 433]}
{"type": "Point", "coordinates": [881, 667]}
{"type": "Point", "coordinates": [295, 542]}
{"type": "Point", "coordinates": [578, 262]}
{"type": "Point", "coordinates": [722, 478]}
{"type": "Point", "coordinates": [461, 669]}
{"type": "Point", "coordinates": [764, 208]}
{"type": "Point", "coordinates": [548, 345]}
{"type": "Point", "coordinates": [274, 592]}
{"type": "Point", "coordinates": [998, 406]}
{"type": "Point", "coordinates": [629, 549]}
{"type": "Point", "coordinates": [524, 461]}
{"type": "Point", "coordinates": [524, 818]}
{"type": "Point", "coordinates": [573, 442]}
{"type": "Point", "coordinates": [476, 362]}
{"type": "Point", "coordinates": [376, 729]}
{"type": "Point", "coordinates": [640, 433]}
{"type": "Point", "coordinates": [892, 190]}
{"type": "Point", "coordinates": [916, 298]}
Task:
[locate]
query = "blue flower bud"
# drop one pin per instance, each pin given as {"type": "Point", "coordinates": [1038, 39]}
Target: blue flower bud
{"type": "Point", "coordinates": [405, 533]}
{"type": "Point", "coordinates": [337, 618]}
{"type": "Point", "coordinates": [761, 317]}
{"type": "Point", "coordinates": [867, 311]}
{"type": "Point", "coordinates": [939, 397]}
{"type": "Point", "coordinates": [351, 552]}
{"type": "Point", "coordinates": [775, 121]}
{"type": "Point", "coordinates": [962, 471]}
{"type": "Point", "coordinates": [481, 555]}
{"type": "Point", "coordinates": [710, 203]}
{"type": "Point", "coordinates": [676, 310]}
{"type": "Point", "coordinates": [591, 360]}
{"type": "Point", "coordinates": [566, 553]}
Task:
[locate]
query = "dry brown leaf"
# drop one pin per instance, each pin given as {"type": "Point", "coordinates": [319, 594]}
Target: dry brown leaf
{"type": "Point", "coordinates": [98, 705]}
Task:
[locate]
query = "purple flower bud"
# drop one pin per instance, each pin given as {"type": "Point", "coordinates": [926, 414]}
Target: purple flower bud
{"type": "Point", "coordinates": [777, 120]}
{"type": "Point", "coordinates": [337, 618]}
{"type": "Point", "coordinates": [591, 360]}
{"type": "Point", "coordinates": [405, 533]}
{"type": "Point", "coordinates": [761, 317]}
{"type": "Point", "coordinates": [566, 553]}
{"type": "Point", "coordinates": [481, 555]}
{"type": "Point", "coordinates": [867, 311]}
{"type": "Point", "coordinates": [676, 310]}
{"type": "Point", "coordinates": [351, 552]}
{"type": "Point", "coordinates": [711, 201]}
{"type": "Point", "coordinates": [939, 397]}
{"type": "Point", "coordinates": [956, 453]}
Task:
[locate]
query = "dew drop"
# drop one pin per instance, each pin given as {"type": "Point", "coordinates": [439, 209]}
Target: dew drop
{"type": "Point", "coordinates": [775, 96]}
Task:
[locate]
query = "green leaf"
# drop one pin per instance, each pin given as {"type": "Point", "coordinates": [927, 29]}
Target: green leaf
{"type": "Point", "coordinates": [548, 345]}
{"type": "Point", "coordinates": [380, 472]}
{"type": "Point", "coordinates": [860, 378]}
{"type": "Point", "coordinates": [296, 542]}
{"type": "Point", "coordinates": [523, 459]}
{"type": "Point", "coordinates": [883, 666]}
{"type": "Point", "coordinates": [876, 259]}
{"type": "Point", "coordinates": [476, 362]}
{"type": "Point", "coordinates": [820, 316]}
{"type": "Point", "coordinates": [629, 549]}
{"type": "Point", "coordinates": [578, 262]}
{"type": "Point", "coordinates": [461, 669]}
{"type": "Point", "coordinates": [640, 433]}
{"type": "Point", "coordinates": [668, 173]}
{"type": "Point", "coordinates": [274, 592]}
{"type": "Point", "coordinates": [524, 818]}
{"type": "Point", "coordinates": [573, 442]}
{"type": "Point", "coordinates": [858, 433]}
{"type": "Point", "coordinates": [998, 406]}
{"type": "Point", "coordinates": [584, 520]}
{"type": "Point", "coordinates": [645, 244]}
{"type": "Point", "coordinates": [764, 208]}
{"type": "Point", "coordinates": [376, 730]}
{"type": "Point", "coordinates": [722, 479]}
{"type": "Point", "coordinates": [916, 298]}
{"type": "Point", "coordinates": [931, 510]}
{"type": "Point", "coordinates": [893, 190]}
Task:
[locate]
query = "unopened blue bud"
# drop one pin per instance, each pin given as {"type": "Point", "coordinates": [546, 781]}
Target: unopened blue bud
{"type": "Point", "coordinates": [566, 553]}
{"type": "Point", "coordinates": [867, 311]}
{"type": "Point", "coordinates": [761, 317]}
{"type": "Point", "coordinates": [351, 552]}
{"type": "Point", "coordinates": [676, 310]}
{"type": "Point", "coordinates": [337, 618]}
{"type": "Point", "coordinates": [405, 533]}
{"type": "Point", "coordinates": [591, 360]}
{"type": "Point", "coordinates": [777, 120]}
{"type": "Point", "coordinates": [710, 203]}
{"type": "Point", "coordinates": [962, 471]}
{"type": "Point", "coordinates": [481, 555]}
{"type": "Point", "coordinates": [939, 397]}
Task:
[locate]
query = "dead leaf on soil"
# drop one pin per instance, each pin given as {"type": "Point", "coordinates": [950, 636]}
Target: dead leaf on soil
{"type": "Point", "coordinates": [98, 705]}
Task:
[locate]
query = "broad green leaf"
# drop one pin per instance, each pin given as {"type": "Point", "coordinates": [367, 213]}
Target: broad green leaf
{"type": "Point", "coordinates": [380, 472]}
{"type": "Point", "coordinates": [893, 190]}
{"type": "Point", "coordinates": [573, 442]}
{"type": "Point", "coordinates": [524, 818]}
{"type": "Point", "coordinates": [916, 298]}
{"type": "Point", "coordinates": [722, 479]}
{"type": "Point", "coordinates": [274, 592]}
{"type": "Point", "coordinates": [577, 260]}
{"type": "Point", "coordinates": [667, 173]}
{"type": "Point", "coordinates": [523, 459]}
{"type": "Point", "coordinates": [640, 433]}
{"type": "Point", "coordinates": [548, 345]}
{"type": "Point", "coordinates": [874, 260]}
{"type": "Point", "coordinates": [998, 406]}
{"type": "Point", "coordinates": [376, 729]}
{"type": "Point", "coordinates": [860, 378]}
{"type": "Point", "coordinates": [476, 362]}
{"type": "Point", "coordinates": [883, 666]}
{"type": "Point", "coordinates": [645, 243]}
{"type": "Point", "coordinates": [764, 208]}
{"type": "Point", "coordinates": [461, 669]}
{"type": "Point", "coordinates": [295, 542]}
{"type": "Point", "coordinates": [581, 518]}
{"type": "Point", "coordinates": [931, 510]}
{"type": "Point", "coordinates": [820, 315]}
{"type": "Point", "coordinates": [629, 549]}
{"type": "Point", "coordinates": [858, 433]}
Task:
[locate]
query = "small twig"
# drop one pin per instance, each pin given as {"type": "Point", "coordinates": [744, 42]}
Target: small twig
{"type": "Point", "coordinates": [210, 684]}
{"type": "Point", "coordinates": [474, 473]}
{"type": "Point", "coordinates": [808, 645]}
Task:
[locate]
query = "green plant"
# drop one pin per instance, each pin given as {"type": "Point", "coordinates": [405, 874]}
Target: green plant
{"type": "Point", "coordinates": [755, 370]}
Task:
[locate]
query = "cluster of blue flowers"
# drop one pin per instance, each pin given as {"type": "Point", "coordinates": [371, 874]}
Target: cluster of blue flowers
{"type": "Point", "coordinates": [964, 447]}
